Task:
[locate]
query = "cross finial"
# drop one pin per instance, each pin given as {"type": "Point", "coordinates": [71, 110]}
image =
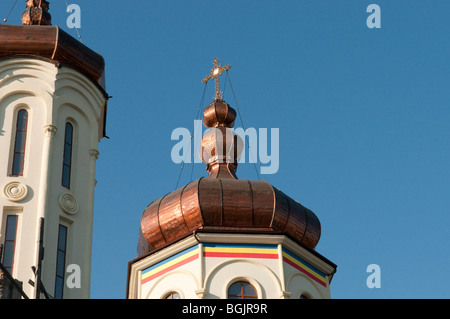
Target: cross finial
{"type": "Point", "coordinates": [215, 72]}
{"type": "Point", "coordinates": [37, 13]}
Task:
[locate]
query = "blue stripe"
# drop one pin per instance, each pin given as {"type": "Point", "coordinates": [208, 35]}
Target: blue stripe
{"type": "Point", "coordinates": [162, 262]}
{"type": "Point", "coordinates": [303, 262]}
{"type": "Point", "coordinates": [261, 246]}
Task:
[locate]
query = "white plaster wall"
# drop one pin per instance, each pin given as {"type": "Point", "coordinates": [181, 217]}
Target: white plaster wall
{"type": "Point", "coordinates": [183, 281]}
{"type": "Point", "coordinates": [299, 284]}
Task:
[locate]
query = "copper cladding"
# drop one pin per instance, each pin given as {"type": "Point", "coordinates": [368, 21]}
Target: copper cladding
{"type": "Point", "coordinates": [53, 44]}
{"type": "Point", "coordinates": [227, 205]}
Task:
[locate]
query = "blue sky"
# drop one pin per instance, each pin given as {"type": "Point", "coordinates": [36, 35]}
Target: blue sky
{"type": "Point", "coordinates": [363, 116]}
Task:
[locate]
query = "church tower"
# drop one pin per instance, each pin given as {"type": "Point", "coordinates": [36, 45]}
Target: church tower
{"type": "Point", "coordinates": [222, 237]}
{"type": "Point", "coordinates": [52, 117]}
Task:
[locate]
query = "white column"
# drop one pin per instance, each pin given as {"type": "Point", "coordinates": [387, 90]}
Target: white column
{"type": "Point", "coordinates": [86, 268]}
{"type": "Point", "coordinates": [49, 131]}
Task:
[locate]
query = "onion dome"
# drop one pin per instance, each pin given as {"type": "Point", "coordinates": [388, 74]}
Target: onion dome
{"type": "Point", "coordinates": [222, 202]}
{"type": "Point", "coordinates": [226, 205]}
{"type": "Point", "coordinates": [219, 113]}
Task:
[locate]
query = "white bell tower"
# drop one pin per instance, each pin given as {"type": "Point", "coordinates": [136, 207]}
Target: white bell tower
{"type": "Point", "coordinates": [52, 117]}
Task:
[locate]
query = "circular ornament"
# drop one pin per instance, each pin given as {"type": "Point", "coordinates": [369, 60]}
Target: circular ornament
{"type": "Point", "coordinates": [15, 191]}
{"type": "Point", "coordinates": [68, 203]}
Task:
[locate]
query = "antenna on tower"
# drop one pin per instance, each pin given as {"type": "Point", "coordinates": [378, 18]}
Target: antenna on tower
{"type": "Point", "coordinates": [12, 8]}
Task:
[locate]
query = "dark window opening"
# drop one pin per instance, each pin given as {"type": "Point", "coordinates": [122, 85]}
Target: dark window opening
{"type": "Point", "coordinates": [67, 157]}
{"type": "Point", "coordinates": [19, 143]}
{"type": "Point", "coordinates": [242, 290]}
{"type": "Point", "coordinates": [60, 262]}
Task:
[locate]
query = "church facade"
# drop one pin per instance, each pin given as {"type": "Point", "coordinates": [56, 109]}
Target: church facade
{"type": "Point", "coordinates": [216, 237]}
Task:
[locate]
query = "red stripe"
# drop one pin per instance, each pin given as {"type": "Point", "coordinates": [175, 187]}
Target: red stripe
{"type": "Point", "coordinates": [174, 266]}
{"type": "Point", "coordinates": [242, 255]}
{"type": "Point", "coordinates": [305, 272]}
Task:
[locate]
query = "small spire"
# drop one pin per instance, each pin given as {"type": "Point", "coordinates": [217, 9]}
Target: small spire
{"type": "Point", "coordinates": [220, 148]}
{"type": "Point", "coordinates": [215, 72]}
{"type": "Point", "coordinates": [37, 13]}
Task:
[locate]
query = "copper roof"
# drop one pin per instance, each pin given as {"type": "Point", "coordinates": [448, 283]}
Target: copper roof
{"type": "Point", "coordinates": [223, 203]}
{"type": "Point", "coordinates": [53, 44]}
{"type": "Point", "coordinates": [229, 205]}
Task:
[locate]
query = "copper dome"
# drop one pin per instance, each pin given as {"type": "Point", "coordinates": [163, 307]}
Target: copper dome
{"type": "Point", "coordinates": [226, 204]}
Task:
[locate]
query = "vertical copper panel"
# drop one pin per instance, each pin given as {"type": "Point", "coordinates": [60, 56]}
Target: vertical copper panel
{"type": "Point", "coordinates": [150, 225]}
{"type": "Point", "coordinates": [296, 224]}
{"type": "Point", "coordinates": [313, 230]}
{"type": "Point", "coordinates": [237, 203]}
{"type": "Point", "coordinates": [263, 203]}
{"type": "Point", "coordinates": [171, 219]}
{"type": "Point", "coordinates": [210, 199]}
{"type": "Point", "coordinates": [281, 211]}
{"type": "Point", "coordinates": [190, 207]}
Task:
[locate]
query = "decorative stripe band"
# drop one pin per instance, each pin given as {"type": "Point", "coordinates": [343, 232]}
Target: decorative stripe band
{"type": "Point", "coordinates": [304, 267]}
{"type": "Point", "coordinates": [240, 251]}
{"type": "Point", "coordinates": [169, 264]}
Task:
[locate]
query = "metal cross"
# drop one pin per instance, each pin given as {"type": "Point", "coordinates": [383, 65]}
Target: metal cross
{"type": "Point", "coordinates": [215, 72]}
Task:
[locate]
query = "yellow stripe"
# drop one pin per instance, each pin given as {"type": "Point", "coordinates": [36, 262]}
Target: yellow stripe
{"type": "Point", "coordinates": [295, 261]}
{"type": "Point", "coordinates": [170, 263]}
{"type": "Point", "coordinates": [239, 250]}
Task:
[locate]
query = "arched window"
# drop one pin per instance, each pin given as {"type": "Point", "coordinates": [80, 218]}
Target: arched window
{"type": "Point", "coordinates": [67, 158]}
{"type": "Point", "coordinates": [242, 290]}
{"type": "Point", "coordinates": [19, 144]}
{"type": "Point", "coordinates": [173, 295]}
{"type": "Point", "coordinates": [304, 296]}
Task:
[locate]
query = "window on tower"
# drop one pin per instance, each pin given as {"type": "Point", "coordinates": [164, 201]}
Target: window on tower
{"type": "Point", "coordinates": [60, 261]}
{"type": "Point", "coordinates": [242, 290]}
{"type": "Point", "coordinates": [10, 242]}
{"type": "Point", "coordinates": [67, 157]}
{"type": "Point", "coordinates": [19, 144]}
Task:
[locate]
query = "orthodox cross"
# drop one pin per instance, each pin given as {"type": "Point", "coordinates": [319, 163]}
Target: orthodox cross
{"type": "Point", "coordinates": [215, 72]}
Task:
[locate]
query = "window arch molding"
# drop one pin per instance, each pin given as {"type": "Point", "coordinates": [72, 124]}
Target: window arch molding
{"type": "Point", "coordinates": [251, 281]}
{"type": "Point", "coordinates": [170, 294]}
